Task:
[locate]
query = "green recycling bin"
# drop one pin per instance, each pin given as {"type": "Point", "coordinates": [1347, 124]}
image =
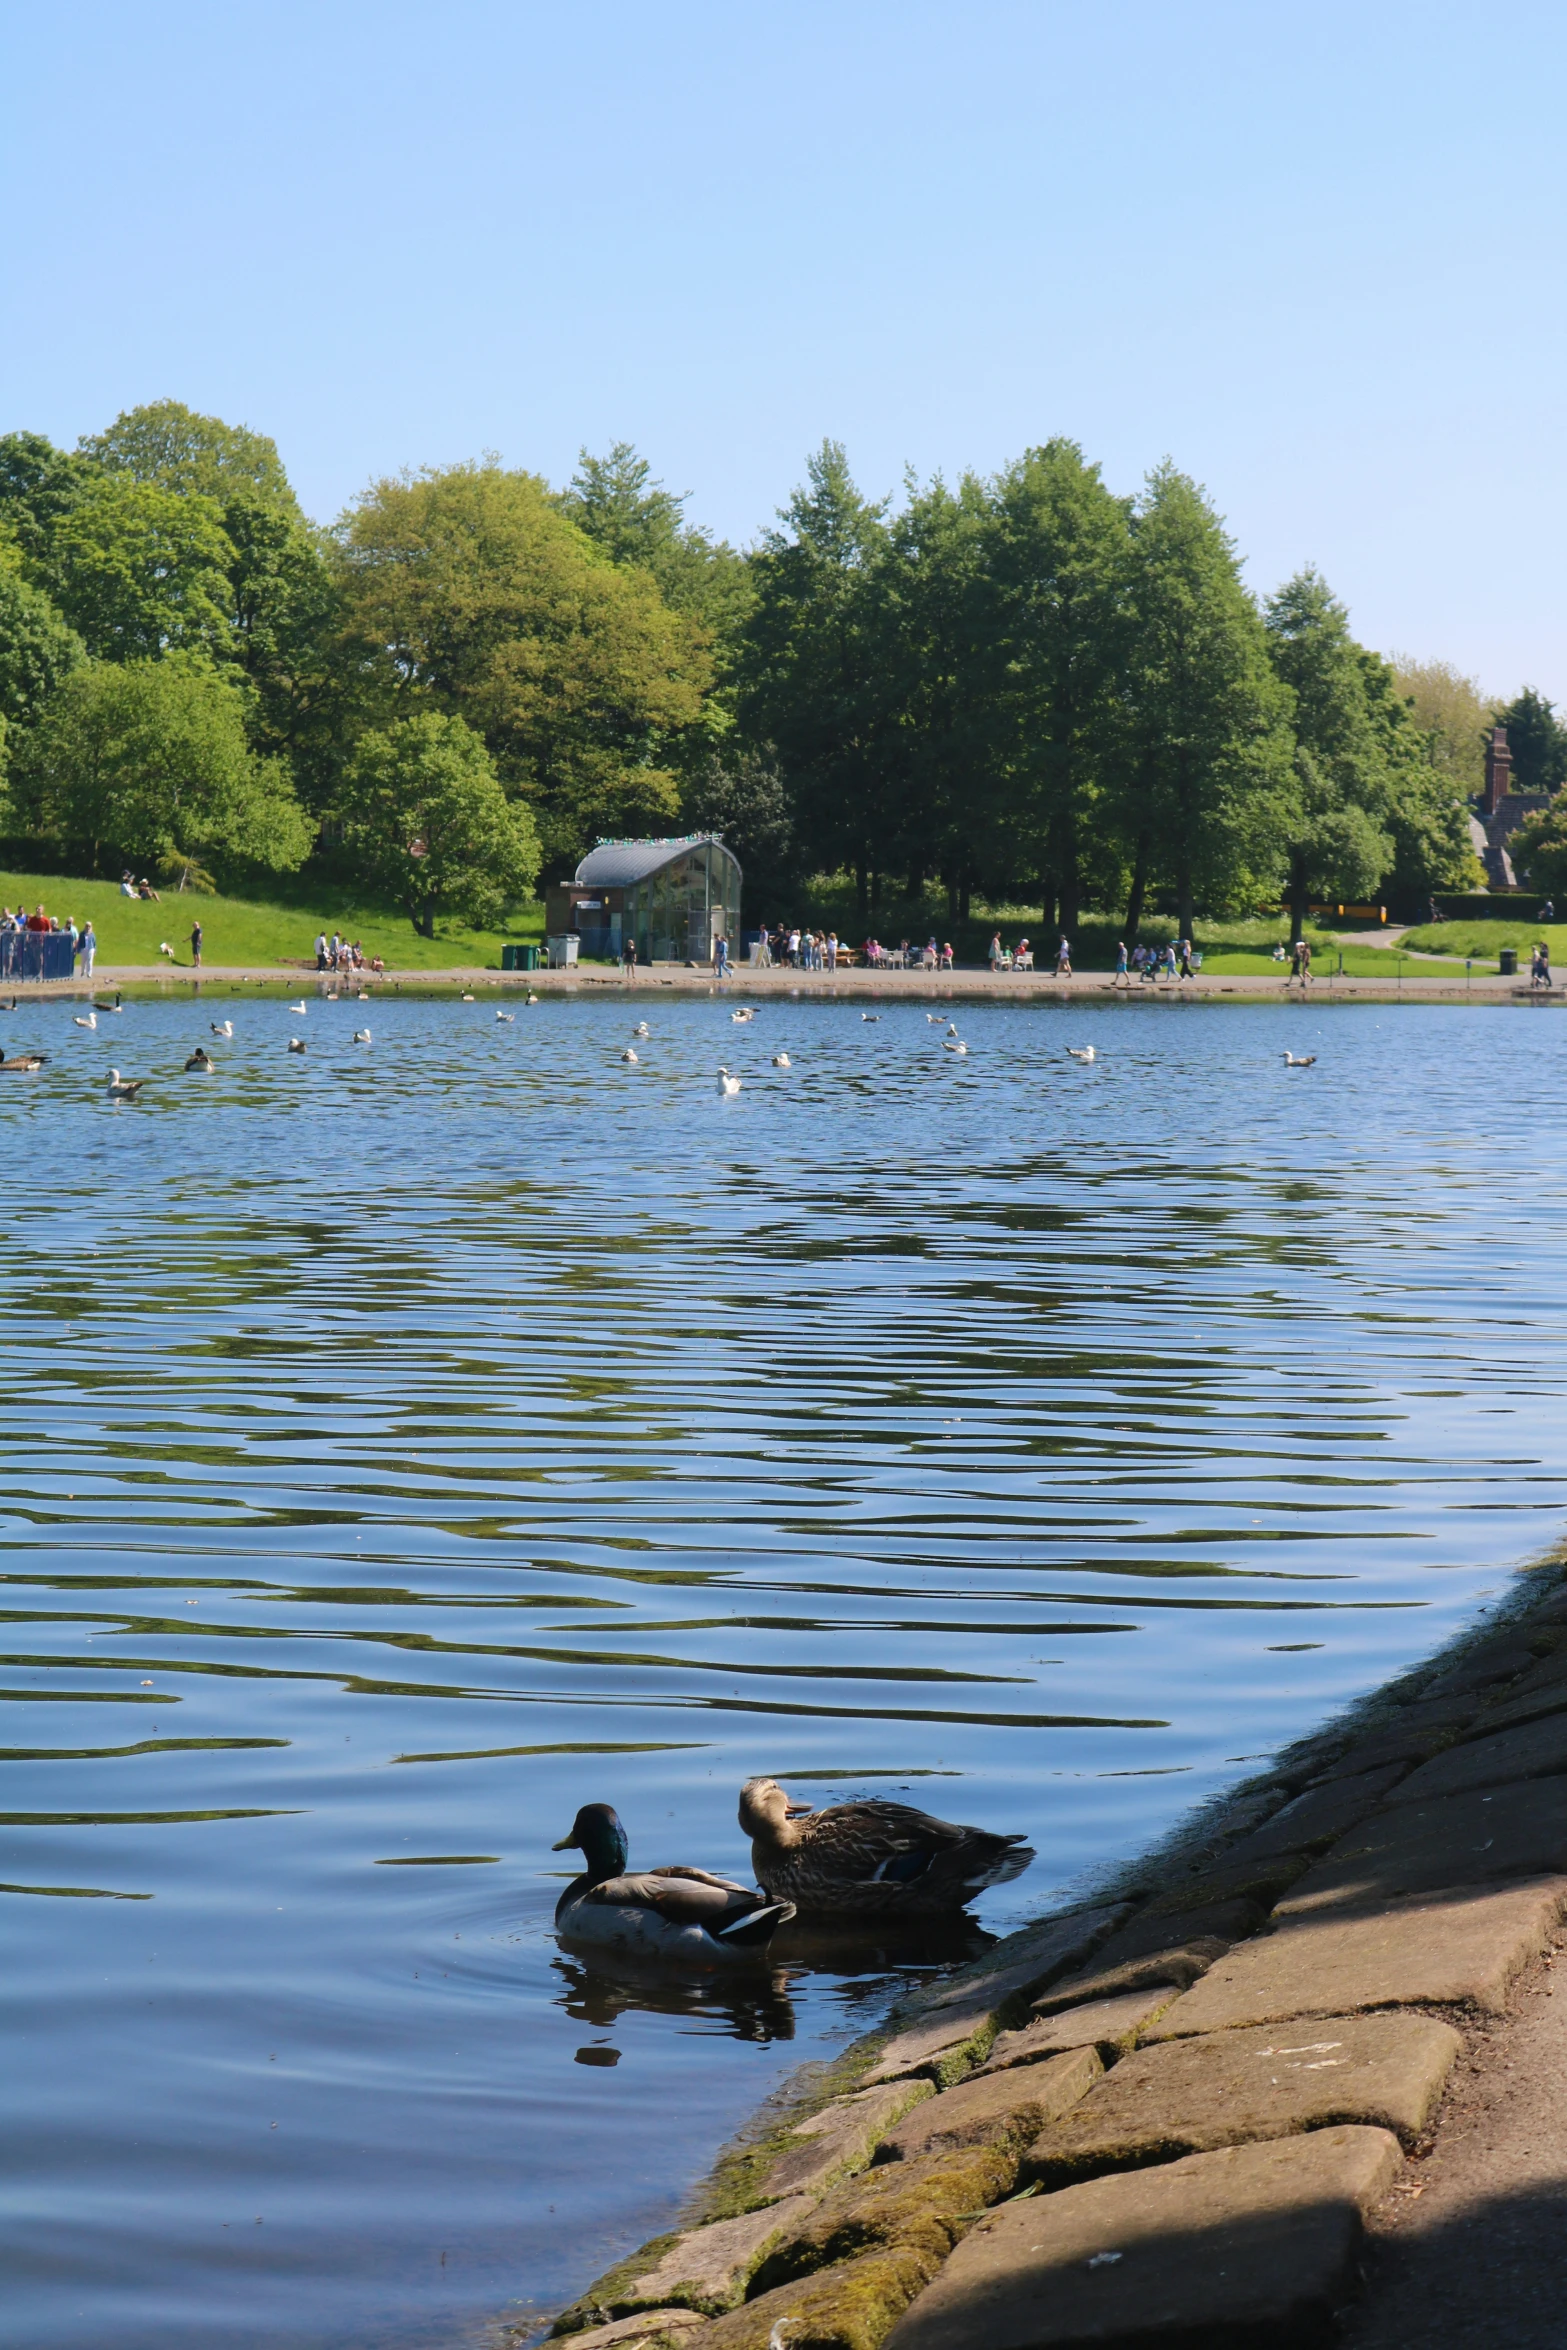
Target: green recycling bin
{"type": "Point", "coordinates": [519, 958]}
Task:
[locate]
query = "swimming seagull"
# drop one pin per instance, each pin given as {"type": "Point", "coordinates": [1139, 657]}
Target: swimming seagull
{"type": "Point", "coordinates": [506, 1016]}
{"type": "Point", "coordinates": [870, 1016]}
{"type": "Point", "coordinates": [782, 1061]}
{"type": "Point", "coordinates": [642, 1029]}
{"type": "Point", "coordinates": [221, 1027]}
{"type": "Point", "coordinates": [1299, 1060]}
{"type": "Point", "coordinates": [466, 997]}
{"type": "Point", "coordinates": [630, 1055]}
{"type": "Point", "coordinates": [742, 1015]}
{"type": "Point", "coordinates": [123, 1089]}
{"type": "Point", "coordinates": [362, 1036]}
{"type": "Point", "coordinates": [953, 1044]}
{"type": "Point", "coordinates": [296, 1044]}
{"type": "Point", "coordinates": [301, 1007]}
{"type": "Point", "coordinates": [935, 1018]}
{"type": "Point", "coordinates": [91, 1021]}
{"type": "Point", "coordinates": [1081, 1052]}
{"type": "Point", "coordinates": [726, 1083]}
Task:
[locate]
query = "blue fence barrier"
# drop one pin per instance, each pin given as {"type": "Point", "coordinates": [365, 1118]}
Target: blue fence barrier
{"type": "Point", "coordinates": [36, 954]}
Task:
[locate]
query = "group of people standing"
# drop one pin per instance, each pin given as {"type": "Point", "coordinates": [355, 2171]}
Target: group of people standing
{"type": "Point", "coordinates": [341, 954]}
{"type": "Point", "coordinates": [84, 942]}
{"type": "Point", "coordinates": [1176, 959]}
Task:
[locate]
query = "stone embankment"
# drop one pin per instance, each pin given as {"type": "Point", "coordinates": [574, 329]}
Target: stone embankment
{"type": "Point", "coordinates": [1167, 2117]}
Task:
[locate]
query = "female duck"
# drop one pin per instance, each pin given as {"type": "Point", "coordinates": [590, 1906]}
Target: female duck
{"type": "Point", "coordinates": [667, 1912]}
{"type": "Point", "coordinates": [871, 1859]}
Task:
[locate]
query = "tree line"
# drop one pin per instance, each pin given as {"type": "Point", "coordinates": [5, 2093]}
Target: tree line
{"type": "Point", "coordinates": [1025, 687]}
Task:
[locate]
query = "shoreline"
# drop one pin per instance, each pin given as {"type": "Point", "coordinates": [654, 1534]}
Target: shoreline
{"type": "Point", "coordinates": [1204, 2100]}
{"type": "Point", "coordinates": [1091, 987]}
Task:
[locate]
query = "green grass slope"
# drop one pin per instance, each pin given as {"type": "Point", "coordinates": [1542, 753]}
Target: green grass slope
{"type": "Point", "coordinates": [251, 932]}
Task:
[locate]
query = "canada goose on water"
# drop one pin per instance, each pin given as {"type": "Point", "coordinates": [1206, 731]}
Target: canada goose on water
{"type": "Point", "coordinates": [18, 1062]}
{"type": "Point", "coordinates": [1299, 1060]}
{"type": "Point", "coordinates": [91, 1020]}
{"type": "Point", "coordinates": [871, 1859]}
{"type": "Point", "coordinates": [1081, 1052]}
{"type": "Point", "coordinates": [201, 1061]}
{"type": "Point", "coordinates": [530, 998]}
{"type": "Point", "coordinates": [363, 1036]}
{"type": "Point", "coordinates": [672, 1912]}
{"type": "Point", "coordinates": [630, 1055]}
{"type": "Point", "coordinates": [782, 1061]}
{"type": "Point", "coordinates": [301, 1008]}
{"type": "Point", "coordinates": [123, 1089]}
{"type": "Point", "coordinates": [221, 1027]}
{"type": "Point", "coordinates": [726, 1083]}
{"type": "Point", "coordinates": [296, 1044]}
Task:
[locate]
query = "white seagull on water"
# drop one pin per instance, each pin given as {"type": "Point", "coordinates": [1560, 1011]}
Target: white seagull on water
{"type": "Point", "coordinates": [726, 1083]}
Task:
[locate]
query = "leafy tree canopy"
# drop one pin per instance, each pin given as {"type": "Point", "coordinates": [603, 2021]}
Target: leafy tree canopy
{"type": "Point", "coordinates": [1452, 715]}
{"type": "Point", "coordinates": [38, 485]}
{"type": "Point", "coordinates": [171, 447]}
{"type": "Point", "coordinates": [37, 647]}
{"type": "Point", "coordinates": [147, 761]}
{"type": "Point", "coordinates": [634, 519]}
{"type": "Point", "coordinates": [1537, 739]}
{"type": "Point", "coordinates": [428, 822]}
{"type": "Point", "coordinates": [470, 589]}
{"type": "Point", "coordinates": [741, 795]}
{"type": "Point", "coordinates": [139, 570]}
{"type": "Point", "coordinates": [1338, 844]}
{"type": "Point", "coordinates": [1539, 849]}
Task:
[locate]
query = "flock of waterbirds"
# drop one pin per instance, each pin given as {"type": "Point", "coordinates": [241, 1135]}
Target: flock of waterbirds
{"type": "Point", "coordinates": [201, 1062]}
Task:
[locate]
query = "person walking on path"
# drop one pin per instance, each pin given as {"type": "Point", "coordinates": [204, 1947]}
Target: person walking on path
{"type": "Point", "coordinates": [87, 948]}
{"type": "Point", "coordinates": [195, 946]}
{"type": "Point", "coordinates": [1186, 959]}
{"type": "Point", "coordinates": [320, 950]}
{"type": "Point", "coordinates": [1064, 959]}
{"type": "Point", "coordinates": [1122, 975]}
{"type": "Point", "coordinates": [723, 958]}
{"type": "Point", "coordinates": [628, 958]}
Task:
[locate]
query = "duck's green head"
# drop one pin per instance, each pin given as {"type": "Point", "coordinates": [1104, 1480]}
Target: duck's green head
{"type": "Point", "coordinates": [597, 1834]}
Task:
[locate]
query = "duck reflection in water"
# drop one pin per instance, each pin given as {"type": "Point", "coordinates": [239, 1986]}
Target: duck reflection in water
{"type": "Point", "coordinates": [754, 2005]}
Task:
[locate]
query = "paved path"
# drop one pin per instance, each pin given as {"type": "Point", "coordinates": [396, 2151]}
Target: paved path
{"type": "Point", "coordinates": [1477, 2258]}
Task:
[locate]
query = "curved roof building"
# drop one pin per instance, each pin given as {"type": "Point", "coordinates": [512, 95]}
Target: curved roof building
{"type": "Point", "coordinates": [676, 897]}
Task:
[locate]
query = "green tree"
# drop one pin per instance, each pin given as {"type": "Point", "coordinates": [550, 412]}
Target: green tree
{"type": "Point", "coordinates": [148, 762]}
{"type": "Point", "coordinates": [1426, 813]}
{"type": "Point", "coordinates": [139, 570]}
{"type": "Point", "coordinates": [37, 649]}
{"type": "Point", "coordinates": [1338, 843]}
{"type": "Point", "coordinates": [171, 447]}
{"type": "Point", "coordinates": [1537, 739]}
{"type": "Point", "coordinates": [1539, 849]}
{"type": "Point", "coordinates": [741, 795]}
{"type": "Point", "coordinates": [427, 821]}
{"type": "Point", "coordinates": [286, 610]}
{"type": "Point", "coordinates": [1061, 569]}
{"type": "Point", "coordinates": [469, 589]}
{"type": "Point", "coordinates": [38, 486]}
{"type": "Point", "coordinates": [812, 679]}
{"type": "Point", "coordinates": [1208, 757]}
{"type": "Point", "coordinates": [1450, 714]}
{"type": "Point", "coordinates": [635, 520]}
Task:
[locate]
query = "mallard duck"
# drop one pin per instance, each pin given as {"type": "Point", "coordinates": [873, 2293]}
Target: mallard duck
{"type": "Point", "coordinates": [668, 1912]}
{"type": "Point", "coordinates": [870, 1859]}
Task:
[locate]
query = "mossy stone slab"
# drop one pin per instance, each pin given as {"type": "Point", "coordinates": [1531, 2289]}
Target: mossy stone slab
{"type": "Point", "coordinates": [929, 2205]}
{"type": "Point", "coordinates": [1181, 1963]}
{"type": "Point", "coordinates": [1191, 2096]}
{"type": "Point", "coordinates": [1110, 2026]}
{"type": "Point", "coordinates": [1448, 1840]}
{"type": "Point", "coordinates": [851, 2306]}
{"type": "Point", "coordinates": [1252, 2245]}
{"type": "Point", "coordinates": [652, 2329]}
{"type": "Point", "coordinates": [1447, 1949]}
{"type": "Point", "coordinates": [1534, 1750]}
{"type": "Point", "coordinates": [995, 2109]}
{"type": "Point", "coordinates": [836, 2142]}
{"type": "Point", "coordinates": [1029, 1959]}
{"type": "Point", "coordinates": [706, 2268]}
{"type": "Point", "coordinates": [1319, 1817]}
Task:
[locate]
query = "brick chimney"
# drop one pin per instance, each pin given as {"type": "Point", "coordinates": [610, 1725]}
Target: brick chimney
{"type": "Point", "coordinates": [1498, 771]}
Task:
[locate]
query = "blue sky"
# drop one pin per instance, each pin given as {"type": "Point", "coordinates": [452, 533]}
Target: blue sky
{"type": "Point", "coordinates": [1315, 256]}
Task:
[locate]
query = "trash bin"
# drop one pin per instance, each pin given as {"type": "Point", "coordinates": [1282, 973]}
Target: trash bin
{"type": "Point", "coordinates": [1507, 962]}
{"type": "Point", "coordinates": [519, 958]}
{"type": "Point", "coordinates": [563, 950]}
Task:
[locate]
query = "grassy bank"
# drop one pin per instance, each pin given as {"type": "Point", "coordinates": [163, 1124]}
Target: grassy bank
{"type": "Point", "coordinates": [1482, 941]}
{"type": "Point", "coordinates": [252, 931]}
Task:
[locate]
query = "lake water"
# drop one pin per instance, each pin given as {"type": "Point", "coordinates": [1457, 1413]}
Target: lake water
{"type": "Point", "coordinates": [406, 1443]}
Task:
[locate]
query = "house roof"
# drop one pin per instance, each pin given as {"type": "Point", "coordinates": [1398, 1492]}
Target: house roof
{"type": "Point", "coordinates": [616, 864]}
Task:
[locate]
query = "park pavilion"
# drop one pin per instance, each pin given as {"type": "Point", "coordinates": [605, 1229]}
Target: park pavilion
{"type": "Point", "coordinates": [676, 898]}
